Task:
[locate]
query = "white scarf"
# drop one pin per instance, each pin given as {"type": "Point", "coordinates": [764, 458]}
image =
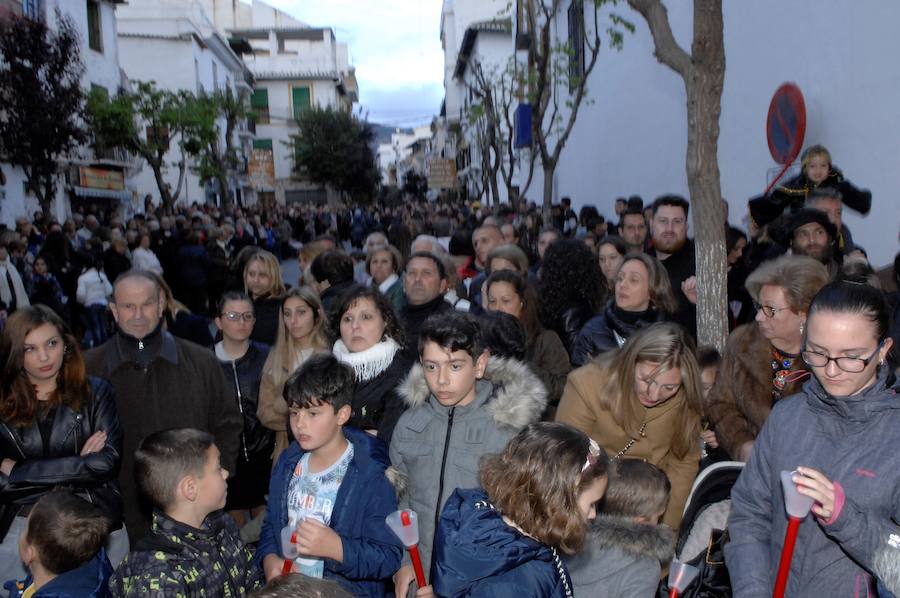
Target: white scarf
{"type": "Point", "coordinates": [369, 363]}
{"type": "Point", "coordinates": [387, 283]}
{"type": "Point", "coordinates": [18, 287]}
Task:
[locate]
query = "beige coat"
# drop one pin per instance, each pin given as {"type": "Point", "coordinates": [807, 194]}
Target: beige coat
{"type": "Point", "coordinates": [272, 409]}
{"type": "Point", "coordinates": [580, 407]}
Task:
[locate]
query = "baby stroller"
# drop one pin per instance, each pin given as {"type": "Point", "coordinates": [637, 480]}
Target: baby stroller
{"type": "Point", "coordinates": [702, 536]}
{"type": "Point", "coordinates": [707, 508]}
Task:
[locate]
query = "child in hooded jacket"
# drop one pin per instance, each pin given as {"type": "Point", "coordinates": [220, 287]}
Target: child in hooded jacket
{"type": "Point", "coordinates": [626, 546]}
{"type": "Point", "coordinates": [504, 540]}
{"type": "Point", "coordinates": [464, 402]}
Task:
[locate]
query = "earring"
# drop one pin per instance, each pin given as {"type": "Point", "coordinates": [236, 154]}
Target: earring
{"type": "Point", "coordinates": [801, 328]}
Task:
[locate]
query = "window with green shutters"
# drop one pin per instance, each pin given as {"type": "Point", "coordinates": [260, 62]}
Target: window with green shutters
{"type": "Point", "coordinates": [263, 144]}
{"type": "Point", "coordinates": [300, 100]}
{"type": "Point", "coordinates": [259, 103]}
{"type": "Point", "coordinates": [95, 35]}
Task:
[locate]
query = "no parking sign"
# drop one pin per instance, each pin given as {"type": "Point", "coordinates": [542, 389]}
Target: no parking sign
{"type": "Point", "coordinates": [785, 127]}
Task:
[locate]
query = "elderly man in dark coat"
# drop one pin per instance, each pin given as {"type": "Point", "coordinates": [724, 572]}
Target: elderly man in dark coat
{"type": "Point", "coordinates": [161, 382]}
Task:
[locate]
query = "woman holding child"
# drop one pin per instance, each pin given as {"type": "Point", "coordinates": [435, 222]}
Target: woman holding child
{"type": "Point", "coordinates": [58, 427]}
{"type": "Point", "coordinates": [643, 401]}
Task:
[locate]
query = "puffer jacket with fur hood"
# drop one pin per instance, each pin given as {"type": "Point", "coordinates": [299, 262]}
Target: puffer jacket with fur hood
{"type": "Point", "coordinates": [439, 448]}
{"type": "Point", "coordinates": [621, 558]}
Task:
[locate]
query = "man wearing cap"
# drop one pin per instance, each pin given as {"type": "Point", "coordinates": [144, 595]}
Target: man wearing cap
{"type": "Point", "coordinates": [811, 233]}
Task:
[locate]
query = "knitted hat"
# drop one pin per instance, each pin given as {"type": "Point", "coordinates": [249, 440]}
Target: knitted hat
{"type": "Point", "coordinates": [807, 216]}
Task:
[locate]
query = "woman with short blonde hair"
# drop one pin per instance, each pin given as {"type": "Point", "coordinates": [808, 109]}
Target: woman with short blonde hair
{"type": "Point", "coordinates": [761, 362]}
{"type": "Point", "coordinates": [264, 285]}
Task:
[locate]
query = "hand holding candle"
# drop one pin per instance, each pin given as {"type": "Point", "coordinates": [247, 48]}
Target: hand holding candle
{"type": "Point", "coordinates": [797, 505]}
{"type": "Point", "coordinates": [815, 485]}
{"type": "Point", "coordinates": [405, 525]}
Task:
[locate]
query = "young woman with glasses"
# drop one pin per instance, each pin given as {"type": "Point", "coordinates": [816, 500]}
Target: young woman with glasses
{"type": "Point", "coordinates": [242, 360]}
{"type": "Point", "coordinates": [643, 401]}
{"type": "Point", "coordinates": [761, 362]}
{"type": "Point", "coordinates": [839, 436]}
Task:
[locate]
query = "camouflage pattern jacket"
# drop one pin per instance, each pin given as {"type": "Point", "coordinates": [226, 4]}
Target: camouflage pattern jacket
{"type": "Point", "coordinates": [177, 560]}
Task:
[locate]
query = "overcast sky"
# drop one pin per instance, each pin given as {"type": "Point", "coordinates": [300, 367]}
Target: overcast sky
{"type": "Point", "coordinates": [396, 48]}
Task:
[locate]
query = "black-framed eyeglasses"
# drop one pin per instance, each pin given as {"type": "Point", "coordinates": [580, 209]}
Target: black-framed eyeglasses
{"type": "Point", "coordinates": [234, 316]}
{"type": "Point", "coordinates": [768, 310]}
{"type": "Point", "coordinates": [851, 365]}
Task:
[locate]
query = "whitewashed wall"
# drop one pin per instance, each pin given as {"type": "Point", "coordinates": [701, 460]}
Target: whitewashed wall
{"type": "Point", "coordinates": [632, 138]}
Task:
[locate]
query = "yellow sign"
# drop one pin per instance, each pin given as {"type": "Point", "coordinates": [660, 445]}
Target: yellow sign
{"type": "Point", "coordinates": [98, 178]}
{"type": "Point", "coordinates": [262, 169]}
{"type": "Point", "coordinates": [441, 174]}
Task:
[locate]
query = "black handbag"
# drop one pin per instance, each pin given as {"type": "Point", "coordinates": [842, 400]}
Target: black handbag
{"type": "Point", "coordinates": [713, 580]}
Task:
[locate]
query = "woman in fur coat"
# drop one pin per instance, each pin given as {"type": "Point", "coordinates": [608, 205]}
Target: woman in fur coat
{"type": "Point", "coordinates": [761, 363]}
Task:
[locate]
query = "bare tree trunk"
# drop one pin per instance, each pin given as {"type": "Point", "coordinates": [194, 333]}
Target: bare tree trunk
{"type": "Point", "coordinates": [704, 107]}
{"type": "Point", "coordinates": [549, 169]}
{"type": "Point", "coordinates": [703, 73]}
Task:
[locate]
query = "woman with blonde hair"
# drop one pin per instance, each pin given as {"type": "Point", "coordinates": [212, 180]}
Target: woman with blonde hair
{"type": "Point", "coordinates": [507, 257]}
{"type": "Point", "coordinates": [761, 363]}
{"type": "Point", "coordinates": [642, 295]}
{"type": "Point", "coordinates": [643, 401]}
{"type": "Point", "coordinates": [384, 265]}
{"type": "Point", "coordinates": [264, 285]}
{"type": "Point", "coordinates": [301, 332]}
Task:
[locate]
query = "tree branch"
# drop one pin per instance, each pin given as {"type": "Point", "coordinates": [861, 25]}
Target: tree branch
{"type": "Point", "coordinates": [667, 50]}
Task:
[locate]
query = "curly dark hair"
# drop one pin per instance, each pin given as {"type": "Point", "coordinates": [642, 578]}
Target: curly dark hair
{"type": "Point", "coordinates": [570, 275]}
{"type": "Point", "coordinates": [392, 328]}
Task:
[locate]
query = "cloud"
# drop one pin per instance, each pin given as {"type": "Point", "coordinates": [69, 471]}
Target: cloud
{"type": "Point", "coordinates": [395, 46]}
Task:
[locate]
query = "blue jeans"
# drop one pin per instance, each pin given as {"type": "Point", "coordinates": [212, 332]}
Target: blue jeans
{"type": "Point", "coordinates": [94, 319]}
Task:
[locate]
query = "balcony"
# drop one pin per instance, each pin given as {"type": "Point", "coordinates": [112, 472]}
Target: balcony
{"type": "Point", "coordinates": [246, 129]}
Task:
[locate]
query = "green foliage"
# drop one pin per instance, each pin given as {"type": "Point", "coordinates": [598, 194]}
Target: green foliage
{"type": "Point", "coordinates": [41, 100]}
{"type": "Point", "coordinates": [334, 148]}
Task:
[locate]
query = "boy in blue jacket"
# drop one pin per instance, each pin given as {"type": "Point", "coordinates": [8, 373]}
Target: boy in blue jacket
{"type": "Point", "coordinates": [62, 545]}
{"type": "Point", "coordinates": [329, 488]}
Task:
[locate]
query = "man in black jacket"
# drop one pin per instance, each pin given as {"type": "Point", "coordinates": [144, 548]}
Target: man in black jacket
{"type": "Point", "coordinates": [161, 382]}
{"type": "Point", "coordinates": [676, 252]}
{"type": "Point", "coordinates": [424, 282]}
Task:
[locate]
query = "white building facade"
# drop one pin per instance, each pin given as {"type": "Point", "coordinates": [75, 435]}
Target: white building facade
{"type": "Point", "coordinates": [176, 44]}
{"type": "Point", "coordinates": [85, 175]}
{"type": "Point", "coordinates": [631, 137]}
{"type": "Point", "coordinates": [474, 35]}
{"type": "Point", "coordinates": [294, 67]}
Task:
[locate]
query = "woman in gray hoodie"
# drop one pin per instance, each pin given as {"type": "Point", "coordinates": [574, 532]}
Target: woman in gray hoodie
{"type": "Point", "coordinates": [840, 436]}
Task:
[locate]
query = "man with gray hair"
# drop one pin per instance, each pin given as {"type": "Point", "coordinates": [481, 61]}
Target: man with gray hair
{"type": "Point", "coordinates": [161, 382]}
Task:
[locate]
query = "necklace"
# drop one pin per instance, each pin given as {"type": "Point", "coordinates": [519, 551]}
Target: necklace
{"type": "Point", "coordinates": [781, 372]}
{"type": "Point", "coordinates": [631, 442]}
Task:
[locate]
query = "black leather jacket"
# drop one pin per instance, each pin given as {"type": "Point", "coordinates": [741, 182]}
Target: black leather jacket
{"type": "Point", "coordinates": [244, 377]}
{"type": "Point", "coordinates": [93, 476]}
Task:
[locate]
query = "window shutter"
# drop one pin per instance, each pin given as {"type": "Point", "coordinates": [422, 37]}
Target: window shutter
{"type": "Point", "coordinates": [300, 100]}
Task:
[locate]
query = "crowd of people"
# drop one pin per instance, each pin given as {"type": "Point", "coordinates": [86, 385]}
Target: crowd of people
{"type": "Point", "coordinates": [178, 419]}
